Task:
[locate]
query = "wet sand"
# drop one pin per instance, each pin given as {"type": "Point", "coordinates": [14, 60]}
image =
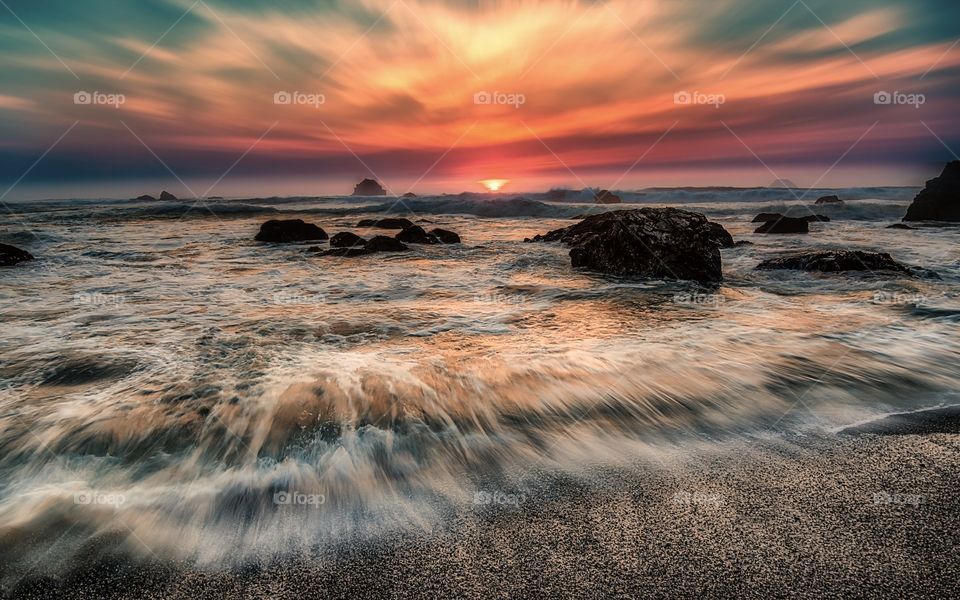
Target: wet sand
{"type": "Point", "coordinates": [873, 511]}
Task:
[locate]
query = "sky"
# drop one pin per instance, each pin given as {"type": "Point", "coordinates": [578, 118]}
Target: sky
{"type": "Point", "coordinates": [244, 97]}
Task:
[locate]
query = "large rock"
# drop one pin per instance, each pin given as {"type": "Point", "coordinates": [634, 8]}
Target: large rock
{"type": "Point", "coordinates": [784, 225]}
{"type": "Point", "coordinates": [165, 195]}
{"type": "Point", "coordinates": [369, 187]}
{"type": "Point", "coordinates": [721, 236]}
{"type": "Point", "coordinates": [11, 255]}
{"type": "Point", "coordinates": [664, 243]}
{"type": "Point", "coordinates": [347, 239]}
{"type": "Point", "coordinates": [607, 197]}
{"type": "Point", "coordinates": [289, 230]}
{"type": "Point", "coordinates": [940, 199]}
{"type": "Point", "coordinates": [389, 223]}
{"type": "Point", "coordinates": [829, 200]}
{"type": "Point", "coordinates": [836, 261]}
{"type": "Point", "coordinates": [445, 236]}
{"type": "Point", "coordinates": [416, 235]}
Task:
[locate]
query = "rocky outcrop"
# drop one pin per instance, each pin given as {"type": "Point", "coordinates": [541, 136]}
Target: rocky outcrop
{"type": "Point", "coordinates": [289, 230]}
{"type": "Point", "coordinates": [165, 195]}
{"type": "Point", "coordinates": [606, 197]}
{"type": "Point", "coordinates": [721, 236]}
{"type": "Point", "coordinates": [829, 200]}
{"type": "Point", "coordinates": [664, 243]}
{"type": "Point", "coordinates": [347, 239]}
{"type": "Point", "coordinates": [836, 261]}
{"type": "Point", "coordinates": [390, 223]}
{"type": "Point", "coordinates": [784, 225]}
{"type": "Point", "coordinates": [940, 199]}
{"type": "Point", "coordinates": [146, 197]}
{"type": "Point", "coordinates": [11, 255]}
{"type": "Point", "coordinates": [369, 187]}
{"type": "Point", "coordinates": [445, 236]}
{"type": "Point", "coordinates": [416, 235]}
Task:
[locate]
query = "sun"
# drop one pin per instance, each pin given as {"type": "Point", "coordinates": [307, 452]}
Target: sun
{"type": "Point", "coordinates": [494, 185]}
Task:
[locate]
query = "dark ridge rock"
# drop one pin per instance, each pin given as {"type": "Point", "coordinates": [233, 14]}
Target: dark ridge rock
{"type": "Point", "coordinates": [445, 236]}
{"type": "Point", "coordinates": [648, 242]}
{"type": "Point", "coordinates": [214, 197]}
{"type": "Point", "coordinates": [389, 223]}
{"type": "Point", "coordinates": [721, 236]}
{"type": "Point", "coordinates": [382, 243]}
{"type": "Point", "coordinates": [11, 255]}
{"type": "Point", "coordinates": [785, 225]}
{"type": "Point", "coordinates": [940, 199]}
{"type": "Point", "coordinates": [289, 230]}
{"type": "Point", "coordinates": [899, 226]}
{"type": "Point", "coordinates": [165, 195]}
{"type": "Point", "coordinates": [829, 200]}
{"type": "Point", "coordinates": [347, 239]}
{"type": "Point", "coordinates": [767, 217]}
{"type": "Point", "coordinates": [742, 243]}
{"type": "Point", "coordinates": [409, 195]}
{"type": "Point", "coordinates": [607, 197]}
{"type": "Point", "coordinates": [416, 235]}
{"type": "Point", "coordinates": [369, 187]}
{"type": "Point", "coordinates": [146, 197]}
{"type": "Point", "coordinates": [836, 261]}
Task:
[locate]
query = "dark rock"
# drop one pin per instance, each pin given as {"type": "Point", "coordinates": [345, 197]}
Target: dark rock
{"type": "Point", "coordinates": [829, 200]}
{"type": "Point", "coordinates": [785, 225]}
{"type": "Point", "coordinates": [940, 199]}
{"type": "Point", "coordinates": [742, 243]}
{"type": "Point", "coordinates": [390, 223]}
{"type": "Point", "coordinates": [11, 255]}
{"type": "Point", "coordinates": [445, 236]}
{"type": "Point", "coordinates": [409, 195]}
{"type": "Point", "coordinates": [899, 226]}
{"type": "Point", "coordinates": [382, 243]}
{"type": "Point", "coordinates": [607, 197]}
{"type": "Point", "coordinates": [369, 187]}
{"type": "Point", "coordinates": [165, 195]}
{"type": "Point", "coordinates": [767, 217]}
{"type": "Point", "coordinates": [347, 239]}
{"type": "Point", "coordinates": [817, 218]}
{"type": "Point", "coordinates": [214, 197]}
{"type": "Point", "coordinates": [416, 235]}
{"type": "Point", "coordinates": [146, 197]}
{"type": "Point", "coordinates": [648, 242]}
{"type": "Point", "coordinates": [721, 236]}
{"type": "Point", "coordinates": [835, 261]}
{"type": "Point", "coordinates": [289, 230]}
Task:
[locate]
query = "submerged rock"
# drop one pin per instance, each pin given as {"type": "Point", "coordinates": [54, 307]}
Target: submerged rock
{"type": "Point", "coordinates": [416, 235]}
{"type": "Point", "coordinates": [165, 195]}
{"type": "Point", "coordinates": [445, 236]}
{"type": "Point", "coordinates": [11, 255]}
{"type": "Point", "coordinates": [369, 187]}
{"type": "Point", "coordinates": [899, 226]}
{"type": "Point", "coordinates": [648, 242]}
{"type": "Point", "coordinates": [834, 199]}
{"type": "Point", "coordinates": [382, 243]}
{"type": "Point", "coordinates": [347, 239]}
{"type": "Point", "coordinates": [835, 261]}
{"type": "Point", "coordinates": [289, 230]}
{"type": "Point", "coordinates": [767, 217]}
{"type": "Point", "coordinates": [784, 225]}
{"type": "Point", "coordinates": [389, 223]}
{"type": "Point", "coordinates": [940, 199]}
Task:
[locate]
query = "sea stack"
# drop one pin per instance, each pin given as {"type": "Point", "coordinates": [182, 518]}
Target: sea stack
{"type": "Point", "coordinates": [369, 187]}
{"type": "Point", "coordinates": [165, 195]}
{"type": "Point", "coordinates": [940, 199]}
{"type": "Point", "coordinates": [606, 197]}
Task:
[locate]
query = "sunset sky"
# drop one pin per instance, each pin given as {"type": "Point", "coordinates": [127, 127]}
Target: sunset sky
{"type": "Point", "coordinates": [387, 89]}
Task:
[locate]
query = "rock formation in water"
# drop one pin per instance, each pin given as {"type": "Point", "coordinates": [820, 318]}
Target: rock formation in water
{"type": "Point", "coordinates": [829, 200]}
{"type": "Point", "coordinates": [940, 199]}
{"type": "Point", "coordinates": [369, 187]}
{"type": "Point", "coordinates": [445, 236]}
{"type": "Point", "coordinates": [836, 261]}
{"type": "Point", "coordinates": [416, 235]}
{"type": "Point", "coordinates": [289, 230]}
{"type": "Point", "coordinates": [388, 223]}
{"type": "Point", "coordinates": [11, 255]}
{"type": "Point", "coordinates": [784, 225]}
{"type": "Point", "coordinates": [165, 195]}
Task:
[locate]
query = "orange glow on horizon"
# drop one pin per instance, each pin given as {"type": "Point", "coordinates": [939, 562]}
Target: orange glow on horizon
{"type": "Point", "coordinates": [494, 185]}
